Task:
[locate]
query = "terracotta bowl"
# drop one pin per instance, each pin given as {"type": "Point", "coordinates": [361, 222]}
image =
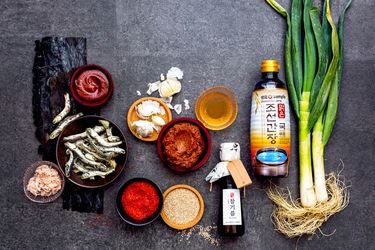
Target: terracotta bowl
{"type": "Point", "coordinates": [207, 140]}
{"type": "Point", "coordinates": [121, 211]}
{"type": "Point", "coordinates": [86, 103]}
{"type": "Point", "coordinates": [79, 126]}
{"type": "Point", "coordinates": [30, 171]}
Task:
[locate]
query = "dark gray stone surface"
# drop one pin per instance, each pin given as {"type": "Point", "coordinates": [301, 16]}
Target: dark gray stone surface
{"type": "Point", "coordinates": [215, 42]}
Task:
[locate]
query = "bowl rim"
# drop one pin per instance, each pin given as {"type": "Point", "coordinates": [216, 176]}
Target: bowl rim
{"type": "Point", "coordinates": [168, 113]}
{"type": "Point", "coordinates": [120, 209]}
{"type": "Point", "coordinates": [125, 147]}
{"type": "Point", "coordinates": [227, 91]}
{"type": "Point", "coordinates": [34, 166]}
{"type": "Point", "coordinates": [88, 103]}
{"type": "Point", "coordinates": [190, 223]}
{"type": "Point", "coordinates": [206, 135]}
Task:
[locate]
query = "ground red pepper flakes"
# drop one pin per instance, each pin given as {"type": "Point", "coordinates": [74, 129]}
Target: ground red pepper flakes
{"type": "Point", "coordinates": [140, 200]}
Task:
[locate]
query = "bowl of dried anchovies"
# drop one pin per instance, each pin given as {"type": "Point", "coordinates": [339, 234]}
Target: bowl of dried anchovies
{"type": "Point", "coordinates": [91, 151]}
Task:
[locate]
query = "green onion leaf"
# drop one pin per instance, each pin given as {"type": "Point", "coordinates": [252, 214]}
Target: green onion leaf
{"type": "Point", "coordinates": [322, 55]}
{"type": "Point", "coordinates": [288, 58]}
{"type": "Point", "coordinates": [321, 100]}
{"type": "Point", "coordinates": [296, 22]}
{"type": "Point", "coordinates": [334, 93]}
{"type": "Point", "coordinates": [309, 49]}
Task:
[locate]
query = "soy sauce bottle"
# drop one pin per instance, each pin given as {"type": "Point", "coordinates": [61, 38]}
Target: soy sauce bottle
{"type": "Point", "coordinates": [270, 124]}
{"type": "Point", "coordinates": [231, 222]}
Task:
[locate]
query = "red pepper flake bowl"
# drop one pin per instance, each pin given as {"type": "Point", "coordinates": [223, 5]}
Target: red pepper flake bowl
{"type": "Point", "coordinates": [139, 201]}
{"type": "Point", "coordinates": [102, 73]}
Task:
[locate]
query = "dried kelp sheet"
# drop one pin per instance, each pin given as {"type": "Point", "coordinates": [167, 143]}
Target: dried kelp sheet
{"type": "Point", "coordinates": [54, 62]}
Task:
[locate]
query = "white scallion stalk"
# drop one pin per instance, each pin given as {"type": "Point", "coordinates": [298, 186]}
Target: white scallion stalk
{"type": "Point", "coordinates": [318, 161]}
{"type": "Point", "coordinates": [307, 193]}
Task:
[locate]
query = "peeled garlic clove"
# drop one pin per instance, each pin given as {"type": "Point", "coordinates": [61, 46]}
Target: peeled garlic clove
{"type": "Point", "coordinates": [143, 128]}
{"type": "Point", "coordinates": [169, 87]}
{"type": "Point", "coordinates": [147, 109]}
{"type": "Point", "coordinates": [158, 121]}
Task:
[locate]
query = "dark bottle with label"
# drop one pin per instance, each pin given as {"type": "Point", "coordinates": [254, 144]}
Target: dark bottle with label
{"type": "Point", "coordinates": [270, 124]}
{"type": "Point", "coordinates": [231, 222]}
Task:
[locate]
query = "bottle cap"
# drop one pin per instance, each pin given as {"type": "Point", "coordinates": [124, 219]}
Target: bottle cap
{"type": "Point", "coordinates": [270, 66]}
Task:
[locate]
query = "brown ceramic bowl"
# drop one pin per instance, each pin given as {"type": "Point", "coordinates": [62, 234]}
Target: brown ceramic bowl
{"type": "Point", "coordinates": [30, 171]}
{"type": "Point", "coordinates": [84, 102]}
{"type": "Point", "coordinates": [207, 140]}
{"type": "Point", "coordinates": [79, 126]}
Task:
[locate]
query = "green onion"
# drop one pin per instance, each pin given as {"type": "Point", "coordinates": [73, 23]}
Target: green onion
{"type": "Point", "coordinates": [320, 198]}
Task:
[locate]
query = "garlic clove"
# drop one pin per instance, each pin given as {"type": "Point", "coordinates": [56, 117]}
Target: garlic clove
{"type": "Point", "coordinates": [143, 128]}
{"type": "Point", "coordinates": [169, 87]}
{"type": "Point", "coordinates": [147, 109]}
{"type": "Point", "coordinates": [158, 121]}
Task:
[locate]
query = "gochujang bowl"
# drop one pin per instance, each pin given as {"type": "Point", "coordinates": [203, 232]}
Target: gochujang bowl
{"type": "Point", "coordinates": [177, 143]}
{"type": "Point", "coordinates": [139, 201]}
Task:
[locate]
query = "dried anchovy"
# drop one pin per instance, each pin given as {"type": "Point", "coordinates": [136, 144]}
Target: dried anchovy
{"type": "Point", "coordinates": [65, 110]}
{"type": "Point", "coordinates": [108, 131]}
{"type": "Point", "coordinates": [92, 151]}
{"type": "Point", "coordinates": [83, 135]}
{"type": "Point", "coordinates": [80, 167]}
{"type": "Point", "coordinates": [104, 150]}
{"type": "Point", "coordinates": [91, 174]}
{"type": "Point", "coordinates": [63, 124]}
{"type": "Point", "coordinates": [69, 163]}
{"type": "Point", "coordinates": [100, 140]}
{"type": "Point", "coordinates": [82, 157]}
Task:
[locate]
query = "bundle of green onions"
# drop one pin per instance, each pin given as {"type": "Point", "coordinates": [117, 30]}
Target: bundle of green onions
{"type": "Point", "coordinates": [313, 62]}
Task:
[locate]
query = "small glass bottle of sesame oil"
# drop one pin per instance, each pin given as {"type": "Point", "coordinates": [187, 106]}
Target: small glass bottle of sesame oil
{"type": "Point", "coordinates": [270, 124]}
{"type": "Point", "coordinates": [231, 222]}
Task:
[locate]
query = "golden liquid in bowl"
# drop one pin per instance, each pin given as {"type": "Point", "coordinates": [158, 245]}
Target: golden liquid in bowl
{"type": "Point", "coordinates": [216, 108]}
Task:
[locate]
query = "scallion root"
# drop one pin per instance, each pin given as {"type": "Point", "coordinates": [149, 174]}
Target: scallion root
{"type": "Point", "coordinates": [294, 220]}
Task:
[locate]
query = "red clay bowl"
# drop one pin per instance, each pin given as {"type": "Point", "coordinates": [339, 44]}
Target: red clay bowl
{"type": "Point", "coordinates": [85, 102]}
{"type": "Point", "coordinates": [207, 140]}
